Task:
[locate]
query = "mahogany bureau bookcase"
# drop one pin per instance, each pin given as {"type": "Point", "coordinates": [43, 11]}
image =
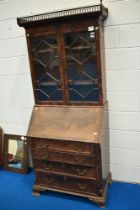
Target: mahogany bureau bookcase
{"type": "Point", "coordinates": [66, 54]}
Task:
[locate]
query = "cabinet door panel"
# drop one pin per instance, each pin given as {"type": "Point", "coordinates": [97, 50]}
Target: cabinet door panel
{"type": "Point", "coordinates": [82, 71]}
{"type": "Point", "coordinates": [46, 68]}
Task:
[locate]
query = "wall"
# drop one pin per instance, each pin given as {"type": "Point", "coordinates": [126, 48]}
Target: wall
{"type": "Point", "coordinates": [122, 47]}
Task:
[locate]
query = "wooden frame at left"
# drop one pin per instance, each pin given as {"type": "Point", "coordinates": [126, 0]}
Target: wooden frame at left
{"type": "Point", "coordinates": [1, 146]}
{"type": "Point", "coordinates": [22, 165]}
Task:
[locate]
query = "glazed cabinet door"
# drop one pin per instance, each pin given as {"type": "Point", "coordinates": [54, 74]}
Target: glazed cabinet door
{"type": "Point", "coordinates": [46, 68]}
{"type": "Point", "coordinates": [65, 64]}
{"type": "Point", "coordinates": [82, 70]}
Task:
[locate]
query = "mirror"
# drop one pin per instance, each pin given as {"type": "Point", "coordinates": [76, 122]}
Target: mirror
{"type": "Point", "coordinates": [16, 153]}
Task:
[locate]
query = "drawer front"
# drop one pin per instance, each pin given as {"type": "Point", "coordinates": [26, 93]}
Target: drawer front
{"type": "Point", "coordinates": [63, 157]}
{"type": "Point", "coordinates": [82, 186]}
{"type": "Point", "coordinates": [61, 145]}
{"type": "Point", "coordinates": [63, 168]}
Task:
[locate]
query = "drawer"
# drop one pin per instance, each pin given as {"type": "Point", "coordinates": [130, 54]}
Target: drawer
{"type": "Point", "coordinates": [64, 157]}
{"type": "Point", "coordinates": [83, 186]}
{"type": "Point", "coordinates": [63, 168]}
{"type": "Point", "coordinates": [61, 145]}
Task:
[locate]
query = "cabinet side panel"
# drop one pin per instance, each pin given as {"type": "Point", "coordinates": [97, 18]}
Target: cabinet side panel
{"type": "Point", "coordinates": [105, 143]}
{"type": "Point", "coordinates": [102, 56]}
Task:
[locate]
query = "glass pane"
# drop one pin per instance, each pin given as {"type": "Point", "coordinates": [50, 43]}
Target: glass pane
{"type": "Point", "coordinates": [46, 68]}
{"type": "Point", "coordinates": [15, 153]}
{"type": "Point", "coordinates": [81, 64]}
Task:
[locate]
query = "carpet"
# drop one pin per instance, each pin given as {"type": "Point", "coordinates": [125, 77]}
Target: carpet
{"type": "Point", "coordinates": [16, 194]}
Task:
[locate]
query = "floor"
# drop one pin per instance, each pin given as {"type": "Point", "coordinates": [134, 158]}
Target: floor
{"type": "Point", "coordinates": [16, 194]}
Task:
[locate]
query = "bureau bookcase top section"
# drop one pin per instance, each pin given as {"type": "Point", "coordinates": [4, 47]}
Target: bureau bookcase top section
{"type": "Point", "coordinates": [65, 56]}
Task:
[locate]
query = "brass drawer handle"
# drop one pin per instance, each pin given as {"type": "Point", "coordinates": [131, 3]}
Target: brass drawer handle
{"type": "Point", "coordinates": [46, 156]}
{"type": "Point", "coordinates": [82, 186]}
{"type": "Point", "coordinates": [50, 181]}
{"type": "Point", "coordinates": [79, 159]}
{"type": "Point", "coordinates": [47, 145]}
{"type": "Point", "coordinates": [81, 149]}
{"type": "Point", "coordinates": [48, 167]}
{"type": "Point", "coordinates": [81, 172]}
{"type": "Point", "coordinates": [63, 166]}
{"type": "Point", "coordinates": [65, 178]}
{"type": "Point", "coordinates": [42, 146]}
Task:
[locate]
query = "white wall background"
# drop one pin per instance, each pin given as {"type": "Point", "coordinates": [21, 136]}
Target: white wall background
{"type": "Point", "coordinates": [122, 47]}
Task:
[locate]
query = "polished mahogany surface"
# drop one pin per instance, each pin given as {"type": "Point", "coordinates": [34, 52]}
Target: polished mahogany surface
{"type": "Point", "coordinates": [65, 122]}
